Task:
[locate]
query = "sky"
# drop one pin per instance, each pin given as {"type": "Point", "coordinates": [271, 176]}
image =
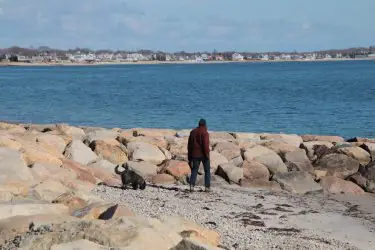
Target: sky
{"type": "Point", "coordinates": [189, 25]}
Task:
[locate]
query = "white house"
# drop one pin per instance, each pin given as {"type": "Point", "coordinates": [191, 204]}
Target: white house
{"type": "Point", "coordinates": [237, 57]}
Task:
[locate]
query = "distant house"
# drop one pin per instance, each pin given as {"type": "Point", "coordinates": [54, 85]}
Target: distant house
{"type": "Point", "coordinates": [237, 57]}
{"type": "Point", "coordinates": [371, 55]}
{"type": "Point", "coordinates": [24, 59]}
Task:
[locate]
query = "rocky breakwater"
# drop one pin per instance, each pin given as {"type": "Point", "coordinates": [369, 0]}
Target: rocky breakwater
{"type": "Point", "coordinates": [58, 189]}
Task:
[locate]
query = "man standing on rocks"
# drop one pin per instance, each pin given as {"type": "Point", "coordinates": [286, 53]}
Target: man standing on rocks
{"type": "Point", "coordinates": [199, 151]}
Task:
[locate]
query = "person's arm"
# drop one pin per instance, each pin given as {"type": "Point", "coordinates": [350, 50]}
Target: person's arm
{"type": "Point", "coordinates": [189, 148]}
{"type": "Point", "coordinates": [206, 145]}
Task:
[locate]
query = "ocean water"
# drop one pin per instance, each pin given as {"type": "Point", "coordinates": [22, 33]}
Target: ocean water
{"type": "Point", "coordinates": [335, 98]}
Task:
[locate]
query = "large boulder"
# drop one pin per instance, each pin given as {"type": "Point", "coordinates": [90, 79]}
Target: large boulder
{"type": "Point", "coordinates": [230, 172]}
{"type": "Point", "coordinates": [182, 226]}
{"type": "Point", "coordinates": [72, 200]}
{"type": "Point", "coordinates": [103, 211]}
{"type": "Point", "coordinates": [228, 149]}
{"type": "Point", "coordinates": [299, 182]}
{"type": "Point", "coordinates": [255, 171]}
{"type": "Point", "coordinates": [179, 148]}
{"type": "Point", "coordinates": [160, 142]}
{"type": "Point", "coordinates": [266, 157]}
{"type": "Point", "coordinates": [145, 169]}
{"type": "Point", "coordinates": [193, 244]}
{"type": "Point", "coordinates": [100, 135]}
{"type": "Point", "coordinates": [309, 147]}
{"type": "Point", "coordinates": [79, 152]}
{"type": "Point", "coordinates": [74, 133]}
{"type": "Point", "coordinates": [357, 153]}
{"type": "Point", "coordinates": [140, 151]}
{"type": "Point", "coordinates": [335, 185]}
{"type": "Point", "coordinates": [300, 160]}
{"type": "Point", "coordinates": [113, 153]}
{"type": "Point", "coordinates": [217, 136]}
{"type": "Point", "coordinates": [83, 173]}
{"type": "Point", "coordinates": [216, 159]}
{"type": "Point", "coordinates": [51, 140]}
{"type": "Point", "coordinates": [123, 233]}
{"type": "Point", "coordinates": [35, 155]}
{"type": "Point", "coordinates": [10, 210]}
{"type": "Point", "coordinates": [338, 165]}
{"type": "Point", "coordinates": [8, 141]}
{"type": "Point", "coordinates": [103, 164]}
{"type": "Point", "coordinates": [49, 190]}
{"type": "Point", "coordinates": [163, 179]}
{"type": "Point", "coordinates": [281, 148]}
{"type": "Point", "coordinates": [177, 169]}
{"type": "Point", "coordinates": [326, 138]}
{"type": "Point", "coordinates": [13, 166]}
{"type": "Point", "coordinates": [43, 172]}
{"type": "Point", "coordinates": [291, 139]}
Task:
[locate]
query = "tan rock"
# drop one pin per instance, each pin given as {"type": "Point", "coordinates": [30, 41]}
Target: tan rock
{"type": "Point", "coordinates": [49, 190]}
{"type": "Point", "coordinates": [216, 159]}
{"type": "Point", "coordinates": [163, 179]}
{"type": "Point", "coordinates": [332, 139]}
{"type": "Point", "coordinates": [79, 185]}
{"type": "Point", "coordinates": [300, 160]}
{"type": "Point", "coordinates": [37, 155]}
{"type": "Point", "coordinates": [140, 151]}
{"type": "Point", "coordinates": [53, 141]}
{"type": "Point", "coordinates": [7, 210]}
{"type": "Point", "coordinates": [6, 196]}
{"type": "Point", "coordinates": [228, 149]}
{"type": "Point", "coordinates": [13, 166]}
{"type": "Point", "coordinates": [291, 139]}
{"type": "Point", "coordinates": [177, 169]}
{"type": "Point", "coordinates": [18, 188]}
{"type": "Point", "coordinates": [338, 165]}
{"type": "Point", "coordinates": [144, 169]}
{"type": "Point", "coordinates": [181, 225]}
{"type": "Point", "coordinates": [299, 182]}
{"type": "Point", "coordinates": [281, 148]}
{"type": "Point", "coordinates": [83, 173]}
{"type": "Point", "coordinates": [77, 151]}
{"type": "Point", "coordinates": [255, 171]}
{"type": "Point", "coordinates": [160, 142]}
{"type": "Point", "coordinates": [319, 174]}
{"type": "Point", "coordinates": [192, 243]}
{"type": "Point", "coordinates": [17, 225]}
{"type": "Point", "coordinates": [220, 136]}
{"type": "Point", "coordinates": [266, 157]}
{"type": "Point", "coordinates": [113, 153]}
{"type": "Point", "coordinates": [337, 185]}
{"type": "Point", "coordinates": [71, 200]}
{"type": "Point", "coordinates": [357, 153]}
{"type": "Point", "coordinates": [103, 211]}
{"type": "Point", "coordinates": [45, 172]}
{"type": "Point", "coordinates": [230, 172]}
{"type": "Point", "coordinates": [74, 132]}
{"type": "Point", "coordinates": [8, 141]}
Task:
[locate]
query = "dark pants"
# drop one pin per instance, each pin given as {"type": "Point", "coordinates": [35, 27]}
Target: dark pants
{"type": "Point", "coordinates": [194, 172]}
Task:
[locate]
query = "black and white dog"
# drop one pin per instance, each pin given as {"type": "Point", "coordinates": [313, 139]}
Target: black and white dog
{"type": "Point", "coordinates": [129, 176]}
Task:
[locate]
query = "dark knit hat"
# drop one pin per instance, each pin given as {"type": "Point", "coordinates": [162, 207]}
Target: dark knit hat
{"type": "Point", "coordinates": [202, 122]}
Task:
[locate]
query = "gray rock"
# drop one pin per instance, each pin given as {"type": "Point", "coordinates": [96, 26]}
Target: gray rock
{"type": "Point", "coordinates": [79, 152]}
{"type": "Point", "coordinates": [300, 159]}
{"type": "Point", "coordinates": [338, 165]}
{"type": "Point", "coordinates": [230, 172]}
{"type": "Point", "coordinates": [266, 157]}
{"type": "Point", "coordinates": [299, 182]}
{"type": "Point", "coordinates": [144, 169]}
{"type": "Point", "coordinates": [141, 151]}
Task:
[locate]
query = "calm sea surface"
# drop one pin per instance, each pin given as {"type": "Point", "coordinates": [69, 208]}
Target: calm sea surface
{"type": "Point", "coordinates": [313, 97]}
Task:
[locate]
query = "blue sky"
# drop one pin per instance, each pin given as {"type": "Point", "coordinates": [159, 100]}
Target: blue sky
{"type": "Point", "coordinates": [190, 25]}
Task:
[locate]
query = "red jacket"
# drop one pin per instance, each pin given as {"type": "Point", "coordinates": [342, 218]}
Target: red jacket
{"type": "Point", "coordinates": [199, 143]}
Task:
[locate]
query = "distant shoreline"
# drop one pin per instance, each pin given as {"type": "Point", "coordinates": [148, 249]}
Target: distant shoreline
{"type": "Point", "coordinates": [20, 64]}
